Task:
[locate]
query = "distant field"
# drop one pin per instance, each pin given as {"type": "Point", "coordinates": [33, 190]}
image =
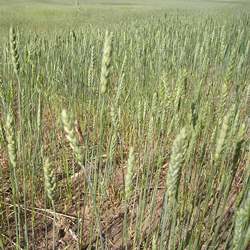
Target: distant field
{"type": "Point", "coordinates": [124, 125]}
{"type": "Point", "coordinates": [47, 15]}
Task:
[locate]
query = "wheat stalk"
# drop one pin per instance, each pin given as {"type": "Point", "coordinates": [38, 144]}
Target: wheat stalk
{"type": "Point", "coordinates": [12, 152]}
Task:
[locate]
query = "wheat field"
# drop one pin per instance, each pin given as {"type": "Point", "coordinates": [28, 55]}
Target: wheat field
{"type": "Point", "coordinates": [124, 125]}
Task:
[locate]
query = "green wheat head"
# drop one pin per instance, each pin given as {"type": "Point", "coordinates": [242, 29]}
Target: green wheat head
{"type": "Point", "coordinates": [11, 140]}
{"type": "Point", "coordinates": [71, 137]}
{"type": "Point", "coordinates": [129, 175]}
{"type": "Point", "coordinates": [106, 62]}
{"type": "Point", "coordinates": [242, 227]}
{"type": "Point", "coordinates": [14, 50]}
{"type": "Point", "coordinates": [49, 180]}
{"type": "Point", "coordinates": [176, 162]}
